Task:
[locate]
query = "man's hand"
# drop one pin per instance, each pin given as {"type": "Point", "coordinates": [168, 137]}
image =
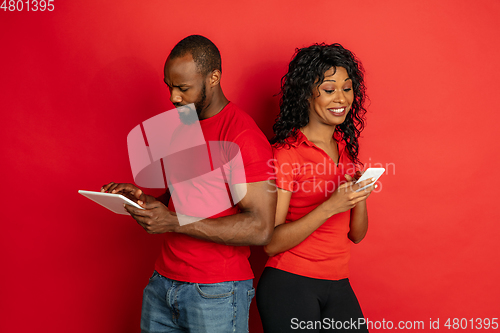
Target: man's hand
{"type": "Point", "coordinates": [128, 190]}
{"type": "Point", "coordinates": [155, 218]}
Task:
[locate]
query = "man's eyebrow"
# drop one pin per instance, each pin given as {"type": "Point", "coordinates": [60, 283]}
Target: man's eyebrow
{"type": "Point", "coordinates": [178, 85]}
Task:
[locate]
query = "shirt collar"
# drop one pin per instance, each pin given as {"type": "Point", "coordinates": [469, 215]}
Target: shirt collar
{"type": "Point", "coordinates": [302, 139]}
{"type": "Point", "coordinates": [299, 139]}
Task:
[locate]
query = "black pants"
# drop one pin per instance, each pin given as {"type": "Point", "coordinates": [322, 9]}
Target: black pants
{"type": "Point", "coordinates": [289, 303]}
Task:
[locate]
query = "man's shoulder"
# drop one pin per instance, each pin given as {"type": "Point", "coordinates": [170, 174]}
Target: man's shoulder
{"type": "Point", "coordinates": [241, 124]}
{"type": "Point", "coordinates": [238, 114]}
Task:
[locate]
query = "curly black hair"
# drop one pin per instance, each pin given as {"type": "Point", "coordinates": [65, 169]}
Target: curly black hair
{"type": "Point", "coordinates": [305, 73]}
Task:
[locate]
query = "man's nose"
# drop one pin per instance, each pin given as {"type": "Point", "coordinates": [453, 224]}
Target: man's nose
{"type": "Point", "coordinates": [175, 97]}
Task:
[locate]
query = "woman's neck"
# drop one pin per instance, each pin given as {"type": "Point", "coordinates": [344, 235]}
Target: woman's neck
{"type": "Point", "coordinates": [319, 133]}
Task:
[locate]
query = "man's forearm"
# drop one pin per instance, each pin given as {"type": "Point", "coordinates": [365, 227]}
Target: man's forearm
{"type": "Point", "coordinates": [245, 228]}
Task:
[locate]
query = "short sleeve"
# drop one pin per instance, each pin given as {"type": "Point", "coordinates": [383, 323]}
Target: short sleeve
{"type": "Point", "coordinates": [284, 167]}
{"type": "Point", "coordinates": [257, 156]}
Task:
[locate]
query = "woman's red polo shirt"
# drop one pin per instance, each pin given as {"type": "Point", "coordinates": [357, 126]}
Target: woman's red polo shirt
{"type": "Point", "coordinates": [311, 175]}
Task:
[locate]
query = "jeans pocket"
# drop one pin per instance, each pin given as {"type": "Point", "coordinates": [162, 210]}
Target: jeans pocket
{"type": "Point", "coordinates": [251, 294]}
{"type": "Point", "coordinates": [154, 276]}
{"type": "Point", "coordinates": [215, 290]}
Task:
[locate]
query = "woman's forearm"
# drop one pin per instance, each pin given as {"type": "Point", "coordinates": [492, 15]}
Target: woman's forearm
{"type": "Point", "coordinates": [288, 235]}
{"type": "Point", "coordinates": [359, 222]}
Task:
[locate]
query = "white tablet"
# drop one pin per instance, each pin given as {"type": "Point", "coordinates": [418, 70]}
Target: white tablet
{"type": "Point", "coordinates": [113, 202]}
{"type": "Point", "coordinates": [370, 173]}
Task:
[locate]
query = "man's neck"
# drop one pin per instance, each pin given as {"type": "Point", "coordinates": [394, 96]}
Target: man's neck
{"type": "Point", "coordinates": [218, 102]}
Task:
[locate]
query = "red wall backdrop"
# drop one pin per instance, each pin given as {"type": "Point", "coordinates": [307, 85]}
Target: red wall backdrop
{"type": "Point", "coordinates": [75, 81]}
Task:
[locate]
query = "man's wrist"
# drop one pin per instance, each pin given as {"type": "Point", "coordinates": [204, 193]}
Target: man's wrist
{"type": "Point", "coordinates": [177, 228]}
{"type": "Point", "coordinates": [149, 198]}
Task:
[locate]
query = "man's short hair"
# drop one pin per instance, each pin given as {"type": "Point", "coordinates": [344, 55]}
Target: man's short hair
{"type": "Point", "coordinates": [205, 54]}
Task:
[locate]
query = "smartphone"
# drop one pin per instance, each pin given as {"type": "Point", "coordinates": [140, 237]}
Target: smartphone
{"type": "Point", "coordinates": [370, 173]}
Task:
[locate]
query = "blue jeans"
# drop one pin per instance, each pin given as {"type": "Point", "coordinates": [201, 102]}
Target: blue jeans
{"type": "Point", "coordinates": [175, 306]}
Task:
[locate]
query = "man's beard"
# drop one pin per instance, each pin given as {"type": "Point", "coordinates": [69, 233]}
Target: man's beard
{"type": "Point", "coordinates": [191, 116]}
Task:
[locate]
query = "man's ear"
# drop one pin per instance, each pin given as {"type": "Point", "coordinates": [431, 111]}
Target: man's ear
{"type": "Point", "coordinates": [214, 77]}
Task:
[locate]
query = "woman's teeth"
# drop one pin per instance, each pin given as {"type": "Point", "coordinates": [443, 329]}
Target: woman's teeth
{"type": "Point", "coordinates": [337, 110]}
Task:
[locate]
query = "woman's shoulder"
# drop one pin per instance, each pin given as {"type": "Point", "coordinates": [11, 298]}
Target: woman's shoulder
{"type": "Point", "coordinates": [285, 152]}
{"type": "Point", "coordinates": [293, 141]}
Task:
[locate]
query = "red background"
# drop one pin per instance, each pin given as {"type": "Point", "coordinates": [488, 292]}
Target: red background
{"type": "Point", "coordinates": [75, 81]}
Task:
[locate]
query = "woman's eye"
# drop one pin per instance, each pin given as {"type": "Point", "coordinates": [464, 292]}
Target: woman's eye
{"type": "Point", "coordinates": [329, 91]}
{"type": "Point", "coordinates": [347, 89]}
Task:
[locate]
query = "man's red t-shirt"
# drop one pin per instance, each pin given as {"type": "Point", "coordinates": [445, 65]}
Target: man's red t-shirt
{"type": "Point", "coordinates": [189, 259]}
